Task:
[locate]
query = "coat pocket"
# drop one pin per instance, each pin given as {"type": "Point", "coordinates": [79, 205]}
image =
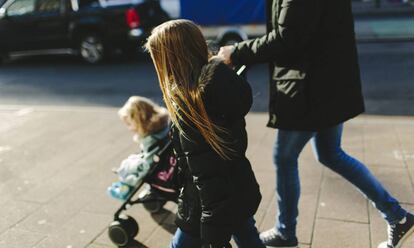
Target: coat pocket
{"type": "Point", "coordinates": [187, 204]}
{"type": "Point", "coordinates": [291, 98]}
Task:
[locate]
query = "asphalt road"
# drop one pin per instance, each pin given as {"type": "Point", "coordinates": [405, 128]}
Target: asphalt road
{"type": "Point", "coordinates": [387, 72]}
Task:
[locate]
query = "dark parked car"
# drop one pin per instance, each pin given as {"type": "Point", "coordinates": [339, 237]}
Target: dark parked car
{"type": "Point", "coordinates": [92, 29]}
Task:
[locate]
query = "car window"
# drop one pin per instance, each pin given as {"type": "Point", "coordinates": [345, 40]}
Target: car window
{"type": "Point", "coordinates": [48, 5]}
{"type": "Point", "coordinates": [21, 7]}
{"type": "Point", "coordinates": [120, 2]}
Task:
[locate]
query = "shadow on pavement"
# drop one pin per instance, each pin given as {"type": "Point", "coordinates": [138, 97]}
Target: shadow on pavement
{"type": "Point", "coordinates": [135, 244]}
{"type": "Point", "coordinates": [165, 219]}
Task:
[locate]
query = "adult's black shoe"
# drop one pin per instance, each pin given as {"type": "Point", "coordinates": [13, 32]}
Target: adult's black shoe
{"type": "Point", "coordinates": [399, 233]}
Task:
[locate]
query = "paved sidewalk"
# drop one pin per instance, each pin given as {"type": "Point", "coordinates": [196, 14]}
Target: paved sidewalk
{"type": "Point", "coordinates": [55, 165]}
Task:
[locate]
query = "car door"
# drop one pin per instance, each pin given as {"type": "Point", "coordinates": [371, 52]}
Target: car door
{"type": "Point", "coordinates": [17, 27]}
{"type": "Point", "coordinates": [51, 24]}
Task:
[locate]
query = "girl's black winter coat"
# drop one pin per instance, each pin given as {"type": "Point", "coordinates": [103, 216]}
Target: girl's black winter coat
{"type": "Point", "coordinates": [217, 195]}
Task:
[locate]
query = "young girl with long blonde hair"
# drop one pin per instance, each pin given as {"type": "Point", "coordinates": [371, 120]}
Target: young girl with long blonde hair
{"type": "Point", "coordinates": [207, 103]}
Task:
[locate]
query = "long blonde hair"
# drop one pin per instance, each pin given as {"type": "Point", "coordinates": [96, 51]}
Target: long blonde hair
{"type": "Point", "coordinates": [179, 51]}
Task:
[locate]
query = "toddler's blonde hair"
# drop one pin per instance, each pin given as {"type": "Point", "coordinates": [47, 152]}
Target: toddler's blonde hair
{"type": "Point", "coordinates": [147, 116]}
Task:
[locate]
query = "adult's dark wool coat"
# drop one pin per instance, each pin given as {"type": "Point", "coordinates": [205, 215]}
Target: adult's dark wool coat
{"type": "Point", "coordinates": [217, 195]}
{"type": "Point", "coordinates": [315, 80]}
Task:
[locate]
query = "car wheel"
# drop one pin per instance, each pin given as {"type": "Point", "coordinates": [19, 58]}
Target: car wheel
{"type": "Point", "coordinates": [92, 49]}
{"type": "Point", "coordinates": [230, 39]}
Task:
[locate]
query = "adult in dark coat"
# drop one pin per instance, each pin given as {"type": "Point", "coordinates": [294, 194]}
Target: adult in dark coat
{"type": "Point", "coordinates": [315, 87]}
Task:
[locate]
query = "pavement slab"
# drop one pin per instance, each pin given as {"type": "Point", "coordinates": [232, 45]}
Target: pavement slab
{"type": "Point", "coordinates": [339, 200]}
{"type": "Point", "coordinates": [333, 233]}
{"type": "Point", "coordinates": [54, 177]}
{"type": "Point", "coordinates": [14, 212]}
{"type": "Point", "coordinates": [16, 238]}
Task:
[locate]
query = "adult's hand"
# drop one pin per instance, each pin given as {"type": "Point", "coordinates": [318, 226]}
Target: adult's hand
{"type": "Point", "coordinates": [225, 53]}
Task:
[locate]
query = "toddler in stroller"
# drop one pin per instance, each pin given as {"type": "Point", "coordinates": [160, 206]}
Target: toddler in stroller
{"type": "Point", "coordinates": [153, 167]}
{"type": "Point", "coordinates": [155, 163]}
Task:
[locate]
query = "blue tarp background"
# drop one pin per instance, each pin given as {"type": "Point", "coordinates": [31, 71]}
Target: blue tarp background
{"type": "Point", "coordinates": [223, 12]}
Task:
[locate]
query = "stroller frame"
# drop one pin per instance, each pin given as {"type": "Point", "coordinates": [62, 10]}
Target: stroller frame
{"type": "Point", "coordinates": [124, 228]}
{"type": "Point", "coordinates": [129, 202]}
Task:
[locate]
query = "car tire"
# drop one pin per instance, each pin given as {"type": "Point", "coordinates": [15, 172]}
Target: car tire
{"type": "Point", "coordinates": [230, 39]}
{"type": "Point", "coordinates": [92, 48]}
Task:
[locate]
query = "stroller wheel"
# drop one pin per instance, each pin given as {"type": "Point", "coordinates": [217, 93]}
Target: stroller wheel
{"type": "Point", "coordinates": [123, 230]}
{"type": "Point", "coordinates": [154, 206]}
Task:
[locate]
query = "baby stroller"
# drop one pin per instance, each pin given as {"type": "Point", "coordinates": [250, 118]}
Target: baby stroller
{"type": "Point", "coordinates": [161, 187]}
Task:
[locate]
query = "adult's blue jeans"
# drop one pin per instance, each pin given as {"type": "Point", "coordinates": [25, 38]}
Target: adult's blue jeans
{"type": "Point", "coordinates": [327, 148]}
{"type": "Point", "coordinates": [246, 237]}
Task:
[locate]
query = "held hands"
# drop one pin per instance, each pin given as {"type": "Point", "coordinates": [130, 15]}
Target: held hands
{"type": "Point", "coordinates": [225, 53]}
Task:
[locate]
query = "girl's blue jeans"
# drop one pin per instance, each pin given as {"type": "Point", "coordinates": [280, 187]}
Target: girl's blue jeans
{"type": "Point", "coordinates": [246, 237]}
{"type": "Point", "coordinates": [327, 148]}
